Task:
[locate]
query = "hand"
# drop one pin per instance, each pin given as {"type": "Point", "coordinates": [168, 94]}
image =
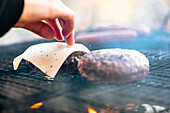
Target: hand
{"type": "Point", "coordinates": [39, 16]}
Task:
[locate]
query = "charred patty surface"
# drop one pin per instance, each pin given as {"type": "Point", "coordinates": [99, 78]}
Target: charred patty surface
{"type": "Point", "coordinates": [69, 65]}
{"type": "Point", "coordinates": [113, 66]}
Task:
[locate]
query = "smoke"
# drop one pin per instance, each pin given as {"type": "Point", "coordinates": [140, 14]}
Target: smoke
{"type": "Point", "coordinates": [151, 13]}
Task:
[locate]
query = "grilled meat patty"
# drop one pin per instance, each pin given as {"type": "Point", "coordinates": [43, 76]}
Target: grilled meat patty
{"type": "Point", "coordinates": [113, 66]}
{"type": "Point", "coordinates": [69, 65]}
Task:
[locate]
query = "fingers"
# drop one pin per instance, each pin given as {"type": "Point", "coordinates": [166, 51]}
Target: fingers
{"type": "Point", "coordinates": [58, 35]}
{"type": "Point", "coordinates": [70, 39]}
{"type": "Point", "coordinates": [49, 31]}
{"type": "Point", "coordinates": [67, 24]}
{"type": "Point", "coordinates": [66, 18]}
{"type": "Point", "coordinates": [53, 24]}
{"type": "Point", "coordinates": [68, 29]}
{"type": "Point", "coordinates": [49, 10]}
{"type": "Point", "coordinates": [40, 28]}
{"type": "Point", "coordinates": [61, 22]}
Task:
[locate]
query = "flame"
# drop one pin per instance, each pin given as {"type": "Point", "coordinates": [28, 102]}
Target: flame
{"type": "Point", "coordinates": [37, 105]}
{"type": "Point", "coordinates": [130, 104]}
{"type": "Point", "coordinates": [91, 110]}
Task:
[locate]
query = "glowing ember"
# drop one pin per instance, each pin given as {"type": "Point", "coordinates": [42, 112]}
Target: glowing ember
{"type": "Point", "coordinates": [131, 104]}
{"type": "Point", "coordinates": [37, 105]}
{"type": "Point", "coordinates": [91, 110]}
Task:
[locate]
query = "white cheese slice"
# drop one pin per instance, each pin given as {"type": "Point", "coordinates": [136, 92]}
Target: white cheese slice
{"type": "Point", "coordinates": [48, 57]}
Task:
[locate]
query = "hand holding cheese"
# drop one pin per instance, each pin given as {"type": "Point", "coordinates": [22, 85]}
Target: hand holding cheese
{"type": "Point", "coordinates": [48, 10]}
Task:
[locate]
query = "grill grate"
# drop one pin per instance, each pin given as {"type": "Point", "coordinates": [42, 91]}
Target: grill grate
{"type": "Point", "coordinates": [70, 93]}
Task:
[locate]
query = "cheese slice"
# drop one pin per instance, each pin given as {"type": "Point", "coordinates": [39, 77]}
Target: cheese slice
{"type": "Point", "coordinates": [48, 57]}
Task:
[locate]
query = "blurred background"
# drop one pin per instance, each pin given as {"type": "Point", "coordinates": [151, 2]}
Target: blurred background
{"type": "Point", "coordinates": [143, 14]}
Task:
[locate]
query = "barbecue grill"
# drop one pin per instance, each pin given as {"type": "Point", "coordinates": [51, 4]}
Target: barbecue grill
{"type": "Point", "coordinates": [70, 93]}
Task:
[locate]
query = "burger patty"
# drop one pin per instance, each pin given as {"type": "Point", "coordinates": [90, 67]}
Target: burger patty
{"type": "Point", "coordinates": [69, 65]}
{"type": "Point", "coordinates": [113, 66]}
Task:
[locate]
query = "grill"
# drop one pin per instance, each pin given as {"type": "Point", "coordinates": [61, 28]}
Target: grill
{"type": "Point", "coordinates": [70, 93]}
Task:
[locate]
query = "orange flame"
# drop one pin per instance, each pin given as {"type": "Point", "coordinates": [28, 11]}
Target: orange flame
{"type": "Point", "coordinates": [91, 110]}
{"type": "Point", "coordinates": [130, 104]}
{"type": "Point", "coordinates": [37, 105]}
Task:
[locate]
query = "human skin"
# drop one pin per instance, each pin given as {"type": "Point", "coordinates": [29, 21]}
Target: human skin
{"type": "Point", "coordinates": [40, 17]}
